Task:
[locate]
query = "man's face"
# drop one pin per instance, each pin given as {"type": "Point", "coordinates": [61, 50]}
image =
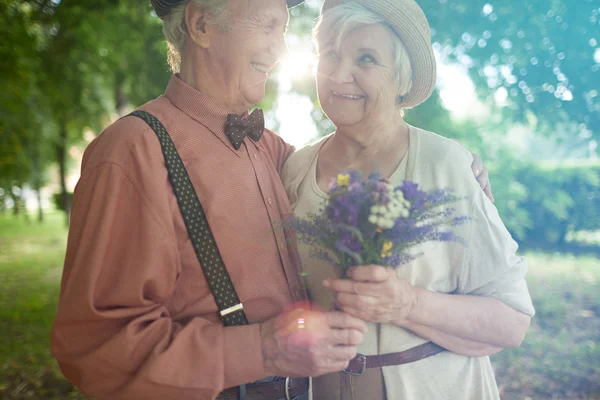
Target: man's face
{"type": "Point", "coordinates": [243, 56]}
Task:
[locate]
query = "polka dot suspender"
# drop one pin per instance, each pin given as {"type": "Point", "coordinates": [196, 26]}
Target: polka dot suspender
{"type": "Point", "coordinates": [219, 281]}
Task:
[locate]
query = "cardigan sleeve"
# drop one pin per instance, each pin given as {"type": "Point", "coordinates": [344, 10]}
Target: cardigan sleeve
{"type": "Point", "coordinates": [490, 265]}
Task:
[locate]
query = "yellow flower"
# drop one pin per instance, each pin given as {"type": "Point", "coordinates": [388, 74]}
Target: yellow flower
{"type": "Point", "coordinates": [343, 180]}
{"type": "Point", "coordinates": [378, 230]}
{"type": "Point", "coordinates": [386, 249]}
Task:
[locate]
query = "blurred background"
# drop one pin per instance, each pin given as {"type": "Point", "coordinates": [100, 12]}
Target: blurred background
{"type": "Point", "coordinates": [518, 83]}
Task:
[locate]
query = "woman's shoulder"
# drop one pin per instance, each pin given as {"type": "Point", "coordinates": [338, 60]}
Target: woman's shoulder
{"type": "Point", "coordinates": [437, 161]}
{"type": "Point", "coordinates": [441, 153]}
{"type": "Point", "coordinates": [439, 148]}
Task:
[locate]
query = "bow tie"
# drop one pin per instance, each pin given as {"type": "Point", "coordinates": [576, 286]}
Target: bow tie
{"type": "Point", "coordinates": [237, 128]}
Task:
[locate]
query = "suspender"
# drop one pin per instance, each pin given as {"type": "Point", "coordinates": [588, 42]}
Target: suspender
{"type": "Point", "coordinates": [219, 281]}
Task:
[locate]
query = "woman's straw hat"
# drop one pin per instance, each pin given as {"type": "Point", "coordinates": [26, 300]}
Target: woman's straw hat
{"type": "Point", "coordinates": [410, 23]}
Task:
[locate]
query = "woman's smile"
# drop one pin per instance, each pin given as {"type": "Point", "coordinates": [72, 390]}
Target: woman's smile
{"type": "Point", "coordinates": [347, 96]}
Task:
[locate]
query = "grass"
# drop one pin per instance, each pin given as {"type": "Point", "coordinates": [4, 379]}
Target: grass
{"type": "Point", "coordinates": [560, 358]}
{"type": "Point", "coordinates": [31, 258]}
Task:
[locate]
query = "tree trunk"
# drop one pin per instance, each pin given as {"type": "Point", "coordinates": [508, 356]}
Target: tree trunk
{"type": "Point", "coordinates": [40, 209]}
{"type": "Point", "coordinates": [16, 205]}
{"type": "Point", "coordinates": [23, 202]}
{"type": "Point", "coordinates": [37, 180]}
{"type": "Point", "coordinates": [120, 96]}
{"type": "Point", "coordinates": [61, 157]}
{"type": "Point", "coordinates": [3, 196]}
{"type": "Point", "coordinates": [120, 100]}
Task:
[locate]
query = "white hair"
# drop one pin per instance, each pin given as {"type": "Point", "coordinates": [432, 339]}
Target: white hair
{"type": "Point", "coordinates": [336, 23]}
{"type": "Point", "coordinates": [175, 31]}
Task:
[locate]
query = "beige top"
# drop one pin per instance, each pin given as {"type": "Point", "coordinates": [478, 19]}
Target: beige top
{"type": "Point", "coordinates": [487, 265]}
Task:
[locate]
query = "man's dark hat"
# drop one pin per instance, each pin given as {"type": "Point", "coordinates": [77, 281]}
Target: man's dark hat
{"type": "Point", "coordinates": [164, 7]}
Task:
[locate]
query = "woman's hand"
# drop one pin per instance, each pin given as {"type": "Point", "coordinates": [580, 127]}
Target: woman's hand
{"type": "Point", "coordinates": [374, 294]}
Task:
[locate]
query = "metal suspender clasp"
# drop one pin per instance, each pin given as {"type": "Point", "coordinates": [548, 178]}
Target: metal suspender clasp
{"type": "Point", "coordinates": [233, 309]}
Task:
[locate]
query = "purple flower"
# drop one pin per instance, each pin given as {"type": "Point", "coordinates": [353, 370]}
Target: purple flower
{"type": "Point", "coordinates": [342, 227]}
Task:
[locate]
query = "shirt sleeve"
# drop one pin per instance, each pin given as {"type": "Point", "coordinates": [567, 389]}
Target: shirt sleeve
{"type": "Point", "coordinates": [492, 267]}
{"type": "Point", "coordinates": [113, 335]}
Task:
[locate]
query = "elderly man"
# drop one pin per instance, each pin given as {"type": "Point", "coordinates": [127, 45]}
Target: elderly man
{"type": "Point", "coordinates": [137, 318]}
{"type": "Point", "coordinates": [167, 198]}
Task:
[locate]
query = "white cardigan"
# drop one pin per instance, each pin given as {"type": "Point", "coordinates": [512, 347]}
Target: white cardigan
{"type": "Point", "coordinates": [486, 266]}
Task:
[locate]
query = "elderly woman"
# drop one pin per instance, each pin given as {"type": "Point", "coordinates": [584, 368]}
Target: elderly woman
{"type": "Point", "coordinates": [376, 59]}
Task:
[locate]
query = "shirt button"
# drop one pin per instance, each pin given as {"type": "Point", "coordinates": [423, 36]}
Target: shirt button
{"type": "Point", "coordinates": [297, 293]}
{"type": "Point", "coordinates": [270, 200]}
{"type": "Point", "coordinates": [255, 156]}
{"type": "Point", "coordinates": [282, 246]}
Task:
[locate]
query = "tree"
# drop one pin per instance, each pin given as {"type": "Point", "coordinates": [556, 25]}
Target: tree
{"type": "Point", "coordinates": [71, 66]}
{"type": "Point", "coordinates": [542, 55]}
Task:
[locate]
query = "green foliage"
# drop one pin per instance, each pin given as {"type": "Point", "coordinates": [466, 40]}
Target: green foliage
{"type": "Point", "coordinates": [57, 200]}
{"type": "Point", "coordinates": [68, 66]}
{"type": "Point", "coordinates": [558, 199]}
{"type": "Point", "coordinates": [546, 54]}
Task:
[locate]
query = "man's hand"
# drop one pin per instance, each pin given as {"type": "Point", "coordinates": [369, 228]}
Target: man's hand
{"type": "Point", "coordinates": [481, 174]}
{"type": "Point", "coordinates": [314, 344]}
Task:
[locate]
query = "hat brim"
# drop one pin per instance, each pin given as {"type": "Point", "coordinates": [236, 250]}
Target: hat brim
{"type": "Point", "coordinates": [410, 24]}
{"type": "Point", "coordinates": [294, 3]}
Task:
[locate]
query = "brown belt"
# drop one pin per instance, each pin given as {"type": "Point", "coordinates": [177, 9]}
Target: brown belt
{"type": "Point", "coordinates": [268, 391]}
{"type": "Point", "coordinates": [360, 363]}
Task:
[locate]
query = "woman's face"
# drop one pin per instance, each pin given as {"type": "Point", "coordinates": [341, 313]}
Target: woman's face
{"type": "Point", "coordinates": [356, 83]}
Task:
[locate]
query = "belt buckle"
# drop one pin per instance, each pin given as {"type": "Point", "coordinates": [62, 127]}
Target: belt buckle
{"type": "Point", "coordinates": [363, 366]}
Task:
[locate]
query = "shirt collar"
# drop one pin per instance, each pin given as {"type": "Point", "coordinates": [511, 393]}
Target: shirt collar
{"type": "Point", "coordinates": [200, 107]}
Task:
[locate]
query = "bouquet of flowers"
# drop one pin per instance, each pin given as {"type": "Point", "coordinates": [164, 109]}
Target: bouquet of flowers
{"type": "Point", "coordinates": [370, 221]}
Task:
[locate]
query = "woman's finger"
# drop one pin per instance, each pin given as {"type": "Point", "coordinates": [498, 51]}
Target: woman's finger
{"type": "Point", "coordinates": [369, 273]}
{"type": "Point", "coordinates": [357, 301]}
{"type": "Point", "coordinates": [356, 288]}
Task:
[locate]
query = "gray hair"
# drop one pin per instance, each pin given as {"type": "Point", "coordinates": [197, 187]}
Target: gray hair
{"type": "Point", "coordinates": [175, 30]}
{"type": "Point", "coordinates": [334, 24]}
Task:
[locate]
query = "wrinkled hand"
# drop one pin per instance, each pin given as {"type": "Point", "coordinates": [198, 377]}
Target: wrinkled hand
{"type": "Point", "coordinates": [481, 174]}
{"type": "Point", "coordinates": [374, 294]}
{"type": "Point", "coordinates": [325, 343]}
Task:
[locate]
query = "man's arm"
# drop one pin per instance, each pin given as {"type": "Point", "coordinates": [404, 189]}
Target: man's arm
{"type": "Point", "coordinates": [113, 336]}
{"type": "Point", "coordinates": [277, 149]}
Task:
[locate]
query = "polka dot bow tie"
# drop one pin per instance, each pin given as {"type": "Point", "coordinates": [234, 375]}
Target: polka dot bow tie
{"type": "Point", "coordinates": [237, 127]}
